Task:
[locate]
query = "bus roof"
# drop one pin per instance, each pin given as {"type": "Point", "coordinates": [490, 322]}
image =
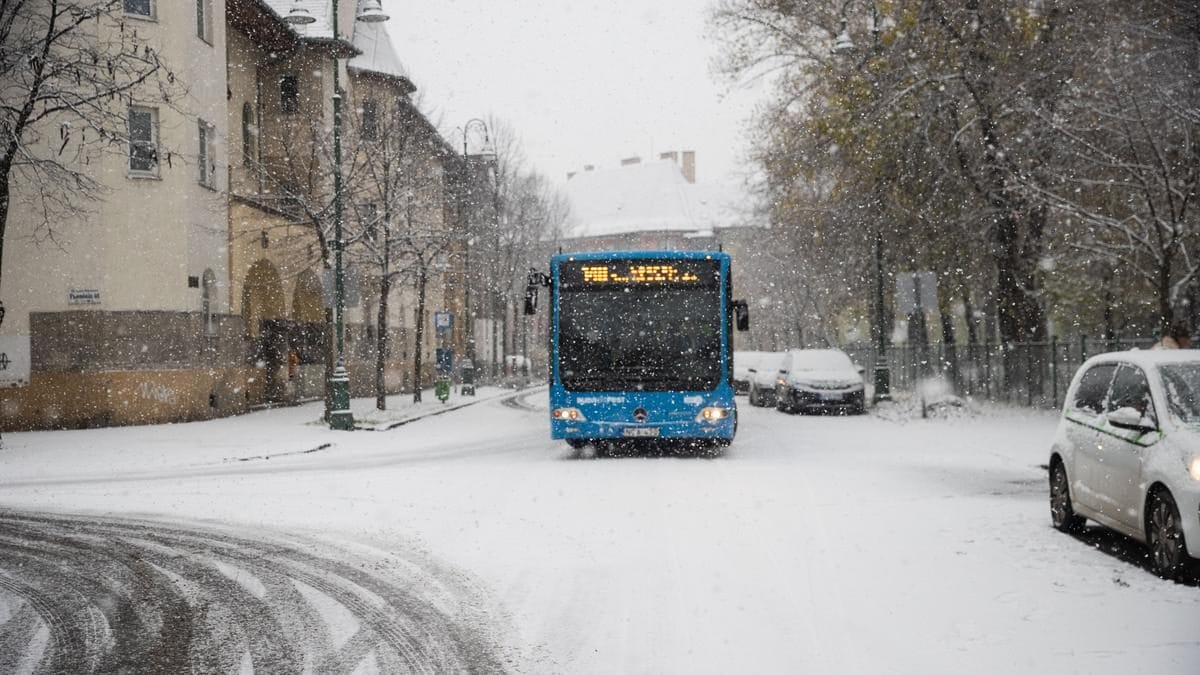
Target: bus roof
{"type": "Point", "coordinates": [639, 255]}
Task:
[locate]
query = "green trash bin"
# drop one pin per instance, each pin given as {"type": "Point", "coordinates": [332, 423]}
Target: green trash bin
{"type": "Point", "coordinates": [442, 388]}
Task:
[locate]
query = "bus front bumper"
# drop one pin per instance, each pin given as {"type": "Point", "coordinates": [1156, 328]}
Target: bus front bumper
{"type": "Point", "coordinates": [718, 429]}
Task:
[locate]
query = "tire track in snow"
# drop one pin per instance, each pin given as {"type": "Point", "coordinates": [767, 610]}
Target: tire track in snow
{"type": "Point", "coordinates": [122, 595]}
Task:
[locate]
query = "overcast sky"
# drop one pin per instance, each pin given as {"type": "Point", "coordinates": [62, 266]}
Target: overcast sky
{"type": "Point", "coordinates": [581, 81]}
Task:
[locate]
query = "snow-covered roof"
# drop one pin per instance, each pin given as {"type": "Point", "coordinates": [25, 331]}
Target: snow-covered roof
{"type": "Point", "coordinates": [376, 52]}
{"type": "Point", "coordinates": [320, 10]}
{"type": "Point", "coordinates": [648, 196]}
{"type": "Point", "coordinates": [378, 55]}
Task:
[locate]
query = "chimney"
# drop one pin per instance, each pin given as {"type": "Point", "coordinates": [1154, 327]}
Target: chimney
{"type": "Point", "coordinates": [631, 160]}
{"type": "Point", "coordinates": [673, 156]}
{"type": "Point", "coordinates": [588, 167]}
{"type": "Point", "coordinates": [570, 175]}
{"type": "Point", "coordinates": [689, 166]}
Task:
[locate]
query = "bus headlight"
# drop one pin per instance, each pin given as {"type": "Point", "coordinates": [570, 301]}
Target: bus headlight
{"type": "Point", "coordinates": [568, 414]}
{"type": "Point", "coordinates": [712, 414]}
{"type": "Point", "coordinates": [1194, 468]}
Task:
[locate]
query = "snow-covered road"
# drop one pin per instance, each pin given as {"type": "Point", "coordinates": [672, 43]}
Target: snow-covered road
{"type": "Point", "coordinates": [816, 544]}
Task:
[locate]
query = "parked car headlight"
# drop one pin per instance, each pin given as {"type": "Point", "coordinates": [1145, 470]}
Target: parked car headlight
{"type": "Point", "coordinates": [568, 414]}
{"type": "Point", "coordinates": [1194, 468]}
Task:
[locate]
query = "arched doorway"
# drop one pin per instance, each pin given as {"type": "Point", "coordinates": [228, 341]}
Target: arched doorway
{"type": "Point", "coordinates": [308, 305]}
{"type": "Point", "coordinates": [262, 297]}
{"type": "Point", "coordinates": [265, 313]}
{"type": "Point", "coordinates": [308, 354]}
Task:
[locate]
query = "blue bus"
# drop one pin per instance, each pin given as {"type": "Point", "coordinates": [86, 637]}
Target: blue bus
{"type": "Point", "coordinates": [641, 347]}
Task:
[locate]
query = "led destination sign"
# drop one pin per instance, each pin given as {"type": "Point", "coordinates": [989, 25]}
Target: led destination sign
{"type": "Point", "coordinates": [599, 273]}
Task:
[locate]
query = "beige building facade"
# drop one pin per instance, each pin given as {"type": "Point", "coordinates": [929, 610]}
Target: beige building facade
{"type": "Point", "coordinates": [196, 286]}
{"type": "Point", "coordinates": [147, 262]}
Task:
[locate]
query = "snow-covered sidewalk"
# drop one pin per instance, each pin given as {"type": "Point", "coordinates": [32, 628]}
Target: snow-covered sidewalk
{"type": "Point", "coordinates": [261, 434]}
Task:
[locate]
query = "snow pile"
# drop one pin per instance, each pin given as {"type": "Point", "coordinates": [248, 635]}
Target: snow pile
{"type": "Point", "coordinates": [934, 397]}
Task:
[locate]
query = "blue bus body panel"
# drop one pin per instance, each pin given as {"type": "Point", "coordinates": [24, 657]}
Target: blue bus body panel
{"type": "Point", "coordinates": [672, 413]}
{"type": "Point", "coordinates": [608, 414]}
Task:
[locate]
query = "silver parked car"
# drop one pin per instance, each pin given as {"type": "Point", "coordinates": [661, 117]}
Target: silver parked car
{"type": "Point", "coordinates": [745, 364]}
{"type": "Point", "coordinates": [820, 380]}
{"type": "Point", "coordinates": [762, 379]}
{"type": "Point", "coordinates": [1127, 452]}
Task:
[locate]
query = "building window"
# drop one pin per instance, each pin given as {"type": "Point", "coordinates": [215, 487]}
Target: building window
{"type": "Point", "coordinates": [142, 8]}
{"type": "Point", "coordinates": [143, 140]}
{"type": "Point", "coordinates": [370, 121]}
{"type": "Point", "coordinates": [203, 20]}
{"type": "Point", "coordinates": [207, 156]}
{"type": "Point", "coordinates": [248, 133]}
{"type": "Point", "coordinates": [289, 94]}
{"type": "Point", "coordinates": [208, 290]}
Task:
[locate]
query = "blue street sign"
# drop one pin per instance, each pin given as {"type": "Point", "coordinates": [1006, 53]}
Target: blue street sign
{"type": "Point", "coordinates": [445, 360]}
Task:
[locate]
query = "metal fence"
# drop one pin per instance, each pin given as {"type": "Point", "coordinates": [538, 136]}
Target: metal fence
{"type": "Point", "coordinates": [1034, 374]}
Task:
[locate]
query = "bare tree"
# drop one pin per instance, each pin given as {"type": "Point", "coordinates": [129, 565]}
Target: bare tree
{"type": "Point", "coordinates": [1127, 179]}
{"type": "Point", "coordinates": [401, 230]}
{"type": "Point", "coordinates": [69, 72]}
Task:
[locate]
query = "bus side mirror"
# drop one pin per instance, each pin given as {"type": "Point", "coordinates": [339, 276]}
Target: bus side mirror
{"type": "Point", "coordinates": [741, 315]}
{"type": "Point", "coordinates": [535, 280]}
{"type": "Point", "coordinates": [531, 299]}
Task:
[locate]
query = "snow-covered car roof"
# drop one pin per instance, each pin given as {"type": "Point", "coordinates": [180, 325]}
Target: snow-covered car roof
{"type": "Point", "coordinates": [820, 359]}
{"type": "Point", "coordinates": [1148, 358]}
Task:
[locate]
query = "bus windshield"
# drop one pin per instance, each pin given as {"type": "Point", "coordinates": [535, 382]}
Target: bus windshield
{"type": "Point", "coordinates": [652, 338]}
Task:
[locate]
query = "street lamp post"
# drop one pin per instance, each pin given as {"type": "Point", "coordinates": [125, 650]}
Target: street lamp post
{"type": "Point", "coordinates": [486, 154]}
{"type": "Point", "coordinates": [340, 416]}
{"type": "Point", "coordinates": [842, 44]}
{"type": "Point", "coordinates": [883, 375]}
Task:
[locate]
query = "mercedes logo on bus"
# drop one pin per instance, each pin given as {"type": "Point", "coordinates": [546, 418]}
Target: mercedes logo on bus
{"type": "Point", "coordinates": [640, 414]}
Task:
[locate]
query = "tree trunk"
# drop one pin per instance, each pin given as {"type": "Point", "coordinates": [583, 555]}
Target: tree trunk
{"type": "Point", "coordinates": [381, 341]}
{"type": "Point", "coordinates": [421, 279]}
{"type": "Point", "coordinates": [949, 348]}
{"type": "Point", "coordinates": [5, 199]}
{"type": "Point", "coordinates": [1110, 331]}
{"type": "Point", "coordinates": [1166, 314]}
{"type": "Point", "coordinates": [495, 337]}
{"type": "Point", "coordinates": [327, 344]}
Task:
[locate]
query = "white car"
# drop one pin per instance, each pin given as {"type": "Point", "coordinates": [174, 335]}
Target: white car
{"type": "Point", "coordinates": [820, 379]}
{"type": "Point", "coordinates": [1127, 452]}
{"type": "Point", "coordinates": [744, 365]}
{"type": "Point", "coordinates": [762, 379]}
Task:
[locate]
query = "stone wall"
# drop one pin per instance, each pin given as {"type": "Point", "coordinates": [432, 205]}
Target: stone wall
{"type": "Point", "coordinates": [98, 368]}
{"type": "Point", "coordinates": [98, 340]}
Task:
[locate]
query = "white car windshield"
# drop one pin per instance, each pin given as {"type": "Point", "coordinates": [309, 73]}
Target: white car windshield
{"type": "Point", "coordinates": [821, 360]}
{"type": "Point", "coordinates": [1182, 382]}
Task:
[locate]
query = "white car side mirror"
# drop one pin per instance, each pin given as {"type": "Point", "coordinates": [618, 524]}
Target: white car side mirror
{"type": "Point", "coordinates": [1130, 418]}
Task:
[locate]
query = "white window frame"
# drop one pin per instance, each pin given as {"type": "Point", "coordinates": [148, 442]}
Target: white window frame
{"type": "Point", "coordinates": [153, 142]}
{"type": "Point", "coordinates": [208, 291]}
{"type": "Point", "coordinates": [204, 24]}
{"type": "Point", "coordinates": [152, 16]}
{"type": "Point", "coordinates": [249, 135]}
{"type": "Point", "coordinates": [206, 158]}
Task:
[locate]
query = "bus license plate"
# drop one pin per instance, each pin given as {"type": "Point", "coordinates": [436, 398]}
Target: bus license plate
{"type": "Point", "coordinates": [641, 432]}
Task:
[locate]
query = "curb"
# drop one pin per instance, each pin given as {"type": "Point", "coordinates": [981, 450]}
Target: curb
{"type": "Point", "coordinates": [442, 411]}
